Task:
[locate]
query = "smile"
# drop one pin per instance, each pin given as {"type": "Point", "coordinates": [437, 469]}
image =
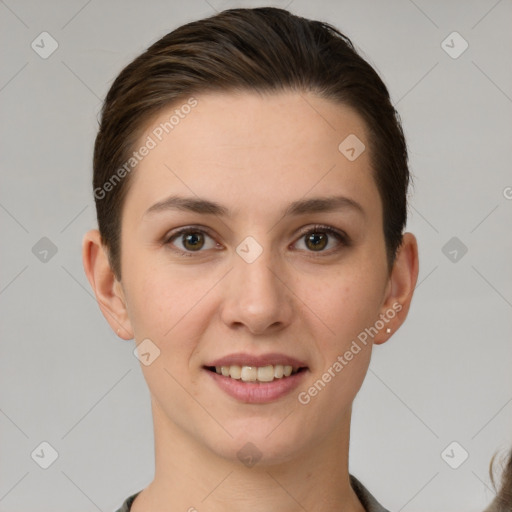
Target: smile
{"type": "Point", "coordinates": [257, 379]}
{"type": "Point", "coordinates": [256, 373]}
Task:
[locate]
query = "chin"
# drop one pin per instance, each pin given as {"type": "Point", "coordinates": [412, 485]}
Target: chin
{"type": "Point", "coordinates": [263, 442]}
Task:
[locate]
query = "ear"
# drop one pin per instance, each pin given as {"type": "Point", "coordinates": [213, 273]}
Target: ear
{"type": "Point", "coordinates": [400, 288]}
{"type": "Point", "coordinates": [108, 290]}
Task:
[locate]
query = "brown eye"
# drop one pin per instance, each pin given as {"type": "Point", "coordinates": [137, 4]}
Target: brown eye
{"type": "Point", "coordinates": [193, 241]}
{"type": "Point", "coordinates": [323, 239]}
{"type": "Point", "coordinates": [316, 241]}
{"type": "Point", "coordinates": [189, 240]}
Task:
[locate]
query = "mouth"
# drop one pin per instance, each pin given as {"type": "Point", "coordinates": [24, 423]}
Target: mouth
{"type": "Point", "coordinates": [267, 373]}
{"type": "Point", "coordinates": [257, 379]}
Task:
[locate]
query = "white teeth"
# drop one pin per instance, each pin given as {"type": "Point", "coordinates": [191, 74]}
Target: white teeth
{"type": "Point", "coordinates": [249, 373]}
{"type": "Point", "coordinates": [256, 374]}
{"type": "Point", "coordinates": [278, 371]}
{"type": "Point", "coordinates": [235, 372]}
{"type": "Point", "coordinates": [266, 373]}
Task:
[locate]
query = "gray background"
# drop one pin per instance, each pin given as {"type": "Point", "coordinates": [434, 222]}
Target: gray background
{"type": "Point", "coordinates": [445, 376]}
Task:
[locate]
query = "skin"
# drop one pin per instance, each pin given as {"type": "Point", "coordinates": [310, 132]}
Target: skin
{"type": "Point", "coordinates": [254, 155]}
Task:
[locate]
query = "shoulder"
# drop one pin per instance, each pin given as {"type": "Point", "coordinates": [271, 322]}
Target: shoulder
{"type": "Point", "coordinates": [127, 505]}
{"type": "Point", "coordinates": [369, 503]}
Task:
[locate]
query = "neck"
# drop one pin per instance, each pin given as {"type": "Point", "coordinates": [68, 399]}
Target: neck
{"type": "Point", "coordinates": [190, 477]}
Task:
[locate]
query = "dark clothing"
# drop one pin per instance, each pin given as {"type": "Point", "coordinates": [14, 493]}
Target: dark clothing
{"type": "Point", "coordinates": [367, 500]}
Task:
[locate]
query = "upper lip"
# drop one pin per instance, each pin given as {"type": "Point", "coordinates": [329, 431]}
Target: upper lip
{"type": "Point", "coordinates": [242, 359]}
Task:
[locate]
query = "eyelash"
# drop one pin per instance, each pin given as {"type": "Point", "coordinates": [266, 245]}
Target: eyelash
{"type": "Point", "coordinates": [342, 237]}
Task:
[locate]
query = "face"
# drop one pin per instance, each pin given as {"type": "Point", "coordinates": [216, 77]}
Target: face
{"type": "Point", "coordinates": [251, 243]}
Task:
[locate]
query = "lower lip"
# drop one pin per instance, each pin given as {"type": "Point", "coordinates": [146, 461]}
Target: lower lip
{"type": "Point", "coordinates": [257, 392]}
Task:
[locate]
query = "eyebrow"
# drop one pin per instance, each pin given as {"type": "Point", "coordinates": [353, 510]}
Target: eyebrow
{"type": "Point", "coordinates": [300, 207]}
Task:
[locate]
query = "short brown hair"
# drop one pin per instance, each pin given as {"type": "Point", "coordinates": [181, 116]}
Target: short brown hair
{"type": "Point", "coordinates": [264, 50]}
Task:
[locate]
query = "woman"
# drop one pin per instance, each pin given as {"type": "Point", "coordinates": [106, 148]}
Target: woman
{"type": "Point", "coordinates": [250, 177]}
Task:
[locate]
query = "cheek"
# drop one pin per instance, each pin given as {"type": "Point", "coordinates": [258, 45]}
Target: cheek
{"type": "Point", "coordinates": [346, 301]}
{"type": "Point", "coordinates": [151, 304]}
{"type": "Point", "coordinates": [172, 309]}
{"type": "Point", "coordinates": [347, 306]}
{"type": "Point", "coordinates": [158, 296]}
{"type": "Point", "coordinates": [165, 309]}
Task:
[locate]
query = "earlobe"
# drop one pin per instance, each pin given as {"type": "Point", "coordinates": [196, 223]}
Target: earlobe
{"type": "Point", "coordinates": [400, 288]}
{"type": "Point", "coordinates": [106, 287]}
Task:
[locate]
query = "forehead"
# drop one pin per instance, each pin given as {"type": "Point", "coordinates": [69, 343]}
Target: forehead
{"type": "Point", "coordinates": [254, 148]}
{"type": "Point", "coordinates": [241, 121]}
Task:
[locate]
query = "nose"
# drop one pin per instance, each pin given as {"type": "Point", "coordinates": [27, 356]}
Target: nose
{"type": "Point", "coordinates": [257, 296]}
